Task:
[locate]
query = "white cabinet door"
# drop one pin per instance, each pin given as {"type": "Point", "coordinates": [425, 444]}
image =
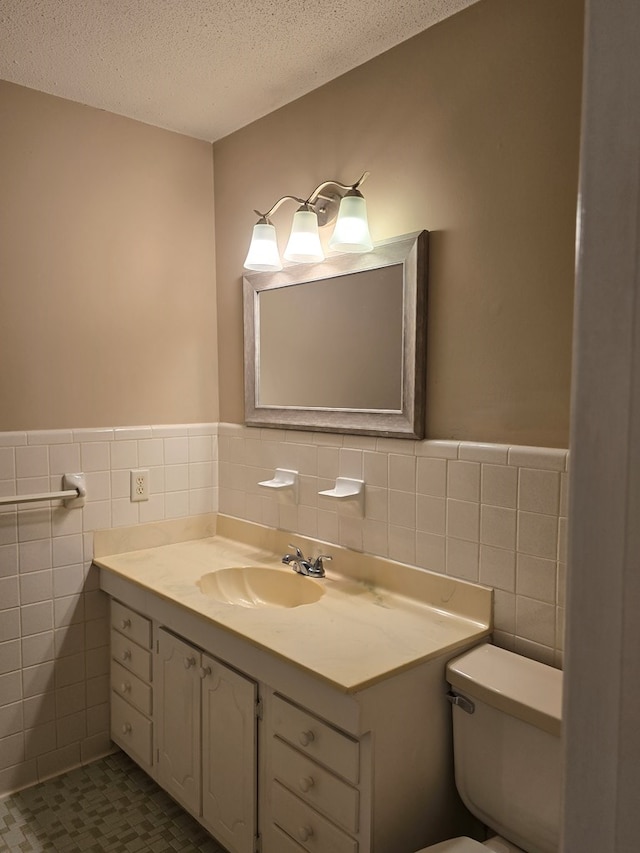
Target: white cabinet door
{"type": "Point", "coordinates": [177, 705]}
{"type": "Point", "coordinates": [229, 770]}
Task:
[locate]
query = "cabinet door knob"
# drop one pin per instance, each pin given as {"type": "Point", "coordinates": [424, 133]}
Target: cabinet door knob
{"type": "Point", "coordinates": [126, 654]}
{"type": "Point", "coordinates": [205, 671]}
{"type": "Point", "coordinates": [305, 833]}
{"type": "Point", "coordinates": [305, 738]}
{"type": "Point", "coordinates": [305, 783]}
{"type": "Point", "coordinates": [125, 687]}
{"type": "Point", "coordinates": [126, 728]}
{"type": "Point", "coordinates": [125, 623]}
{"type": "Point", "coordinates": [189, 662]}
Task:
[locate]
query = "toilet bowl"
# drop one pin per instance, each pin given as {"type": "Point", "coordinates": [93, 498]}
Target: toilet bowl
{"type": "Point", "coordinates": [507, 753]}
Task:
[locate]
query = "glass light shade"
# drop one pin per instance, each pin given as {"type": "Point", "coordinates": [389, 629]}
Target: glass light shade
{"type": "Point", "coordinates": [304, 243]}
{"type": "Point", "coordinates": [351, 233]}
{"type": "Point", "coordinates": [263, 255]}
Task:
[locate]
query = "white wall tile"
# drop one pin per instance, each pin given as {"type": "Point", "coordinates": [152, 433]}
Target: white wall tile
{"type": "Point", "coordinates": [463, 480]}
{"type": "Point", "coordinates": [431, 551]}
{"type": "Point", "coordinates": [10, 686]}
{"type": "Point", "coordinates": [10, 656]}
{"type": "Point", "coordinates": [499, 486]}
{"type": "Point", "coordinates": [432, 477]}
{"type": "Point", "coordinates": [329, 463]}
{"type": "Point", "coordinates": [538, 534]}
{"type": "Point", "coordinates": [9, 593]}
{"type": "Point", "coordinates": [402, 508]}
{"type": "Point", "coordinates": [462, 559]}
{"type": "Point", "coordinates": [64, 458]}
{"type": "Point", "coordinates": [479, 452]}
{"type": "Point", "coordinates": [463, 519]}
{"type": "Point", "coordinates": [131, 433]}
{"type": "Point", "coordinates": [438, 449]}
{"type": "Point", "coordinates": [7, 463]}
{"type": "Point", "coordinates": [535, 620]}
{"type": "Point", "coordinates": [351, 463]}
{"type": "Point", "coordinates": [9, 624]}
{"type": "Point", "coordinates": [538, 457]}
{"type": "Point", "coordinates": [98, 487]}
{"type": "Point", "coordinates": [67, 550]}
{"type": "Point", "coordinates": [37, 648]}
{"type": "Point", "coordinates": [200, 449]}
{"type": "Point", "coordinates": [176, 478]}
{"type": "Point", "coordinates": [375, 537]}
{"type": "Point", "coordinates": [32, 461]}
{"type": "Point", "coordinates": [124, 454]}
{"type": "Point", "coordinates": [375, 468]}
{"type": "Point", "coordinates": [377, 503]}
{"type": "Point", "coordinates": [537, 578]}
{"type": "Point", "coordinates": [35, 555]}
{"type": "Point", "coordinates": [431, 514]}
{"type": "Point", "coordinates": [539, 491]}
{"type": "Point", "coordinates": [8, 560]}
{"type": "Point", "coordinates": [123, 512]}
{"type": "Point", "coordinates": [498, 527]}
{"type": "Point", "coordinates": [498, 568]}
{"type": "Point", "coordinates": [35, 587]}
{"type": "Point", "coordinates": [402, 544]}
{"type": "Point", "coordinates": [95, 456]}
{"type": "Point", "coordinates": [402, 472]}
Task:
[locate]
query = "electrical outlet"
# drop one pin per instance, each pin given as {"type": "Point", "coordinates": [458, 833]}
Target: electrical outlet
{"type": "Point", "coordinates": [140, 484]}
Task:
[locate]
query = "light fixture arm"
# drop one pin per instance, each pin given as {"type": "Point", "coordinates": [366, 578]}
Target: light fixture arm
{"type": "Point", "coordinates": [317, 193]}
{"type": "Point", "coordinates": [265, 218]}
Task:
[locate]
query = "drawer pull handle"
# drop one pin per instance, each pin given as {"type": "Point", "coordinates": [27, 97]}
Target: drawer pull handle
{"type": "Point", "coordinates": [305, 783]}
{"type": "Point", "coordinates": [126, 728]}
{"type": "Point", "coordinates": [305, 738]}
{"type": "Point", "coordinates": [305, 833]}
{"type": "Point", "coordinates": [125, 623]}
{"type": "Point", "coordinates": [189, 662]}
{"type": "Point", "coordinates": [125, 687]}
{"type": "Point", "coordinates": [126, 654]}
{"type": "Point", "coordinates": [205, 671]}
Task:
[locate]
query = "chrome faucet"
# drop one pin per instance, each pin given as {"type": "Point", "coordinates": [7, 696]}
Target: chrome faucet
{"type": "Point", "coordinates": [300, 564]}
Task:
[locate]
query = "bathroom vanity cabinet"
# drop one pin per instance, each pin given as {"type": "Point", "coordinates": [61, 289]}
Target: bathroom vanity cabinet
{"type": "Point", "coordinates": [325, 771]}
{"type": "Point", "coordinates": [321, 728]}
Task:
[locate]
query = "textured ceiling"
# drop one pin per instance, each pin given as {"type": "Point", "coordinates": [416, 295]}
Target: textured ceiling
{"type": "Point", "coordinates": [200, 67]}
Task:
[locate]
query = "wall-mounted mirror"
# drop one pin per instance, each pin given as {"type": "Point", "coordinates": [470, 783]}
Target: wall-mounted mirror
{"type": "Point", "coordinates": [340, 346]}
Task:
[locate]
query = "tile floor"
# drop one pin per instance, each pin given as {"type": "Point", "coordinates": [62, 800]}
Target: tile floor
{"type": "Point", "coordinates": [110, 805]}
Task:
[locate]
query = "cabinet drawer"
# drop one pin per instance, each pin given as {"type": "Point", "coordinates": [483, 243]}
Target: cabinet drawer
{"type": "Point", "coordinates": [317, 786]}
{"type": "Point", "coordinates": [130, 687]}
{"type": "Point", "coordinates": [131, 624]}
{"type": "Point", "coordinates": [312, 831]}
{"type": "Point", "coordinates": [317, 739]}
{"type": "Point", "coordinates": [131, 730]}
{"type": "Point", "coordinates": [129, 654]}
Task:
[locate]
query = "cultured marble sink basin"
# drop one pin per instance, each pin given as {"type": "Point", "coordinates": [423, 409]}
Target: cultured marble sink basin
{"type": "Point", "coordinates": [253, 586]}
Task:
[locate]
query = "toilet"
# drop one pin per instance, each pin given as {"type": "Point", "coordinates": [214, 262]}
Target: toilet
{"type": "Point", "coordinates": [507, 754]}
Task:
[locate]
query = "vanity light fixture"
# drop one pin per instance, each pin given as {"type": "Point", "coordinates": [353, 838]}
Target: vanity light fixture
{"type": "Point", "coordinates": [351, 233]}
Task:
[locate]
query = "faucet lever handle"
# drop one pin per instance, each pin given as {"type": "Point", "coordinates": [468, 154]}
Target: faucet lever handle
{"type": "Point", "coordinates": [299, 553]}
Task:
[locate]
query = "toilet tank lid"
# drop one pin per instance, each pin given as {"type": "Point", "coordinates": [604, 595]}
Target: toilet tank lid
{"type": "Point", "coordinates": [516, 685]}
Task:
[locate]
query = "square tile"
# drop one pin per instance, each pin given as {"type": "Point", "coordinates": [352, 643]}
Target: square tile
{"type": "Point", "coordinates": [498, 527]}
{"type": "Point", "coordinates": [463, 519]}
{"type": "Point", "coordinates": [499, 486]}
{"type": "Point", "coordinates": [431, 514]}
{"type": "Point", "coordinates": [539, 491]}
{"type": "Point", "coordinates": [463, 480]}
{"type": "Point", "coordinates": [538, 535]}
{"type": "Point", "coordinates": [402, 472]}
{"type": "Point", "coordinates": [432, 477]}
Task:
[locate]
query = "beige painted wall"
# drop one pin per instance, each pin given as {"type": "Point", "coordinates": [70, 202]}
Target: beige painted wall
{"type": "Point", "coordinates": [470, 130]}
{"type": "Point", "coordinates": [107, 284]}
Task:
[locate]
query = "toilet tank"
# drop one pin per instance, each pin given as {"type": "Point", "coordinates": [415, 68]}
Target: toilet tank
{"type": "Point", "coordinates": [507, 752]}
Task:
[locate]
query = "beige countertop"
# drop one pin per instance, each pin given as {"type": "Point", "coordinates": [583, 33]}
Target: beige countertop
{"type": "Point", "coordinates": [374, 619]}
